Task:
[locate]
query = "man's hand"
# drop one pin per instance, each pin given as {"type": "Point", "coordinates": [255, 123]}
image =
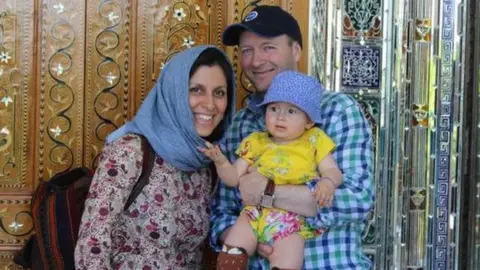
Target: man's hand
{"type": "Point", "coordinates": [251, 186]}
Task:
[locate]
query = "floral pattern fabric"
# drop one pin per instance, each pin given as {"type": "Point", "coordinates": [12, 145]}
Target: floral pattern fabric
{"type": "Point", "coordinates": [163, 229]}
{"type": "Point", "coordinates": [273, 224]}
{"type": "Point", "coordinates": [293, 163]}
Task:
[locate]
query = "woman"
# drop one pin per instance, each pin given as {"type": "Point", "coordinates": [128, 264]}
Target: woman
{"type": "Point", "coordinates": [167, 224]}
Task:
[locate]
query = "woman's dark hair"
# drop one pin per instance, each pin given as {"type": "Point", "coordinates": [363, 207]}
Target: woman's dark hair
{"type": "Point", "coordinates": [213, 57]}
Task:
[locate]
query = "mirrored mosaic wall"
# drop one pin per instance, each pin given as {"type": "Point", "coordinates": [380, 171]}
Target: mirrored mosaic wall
{"type": "Point", "coordinates": [403, 61]}
{"type": "Point", "coordinates": [71, 71]}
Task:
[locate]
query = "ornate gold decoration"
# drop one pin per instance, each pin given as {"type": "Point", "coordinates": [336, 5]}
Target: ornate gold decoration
{"type": "Point", "coordinates": [417, 199]}
{"type": "Point", "coordinates": [7, 95]}
{"type": "Point", "coordinates": [420, 115]}
{"type": "Point", "coordinates": [61, 87]}
{"type": "Point", "coordinates": [362, 19]}
{"type": "Point", "coordinates": [6, 261]}
{"type": "Point", "coordinates": [109, 44]}
{"type": "Point", "coordinates": [179, 26]}
{"type": "Point", "coordinates": [423, 28]}
{"type": "Point", "coordinates": [72, 71]}
{"type": "Point", "coordinates": [15, 221]}
{"type": "Point", "coordinates": [16, 110]}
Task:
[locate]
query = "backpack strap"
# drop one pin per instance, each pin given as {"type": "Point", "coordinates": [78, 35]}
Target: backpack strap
{"type": "Point", "coordinates": [147, 166]}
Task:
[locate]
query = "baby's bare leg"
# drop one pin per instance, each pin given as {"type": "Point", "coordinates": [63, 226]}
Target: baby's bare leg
{"type": "Point", "coordinates": [239, 244]}
{"type": "Point", "coordinates": [241, 235]}
{"type": "Point", "coordinates": [288, 252]}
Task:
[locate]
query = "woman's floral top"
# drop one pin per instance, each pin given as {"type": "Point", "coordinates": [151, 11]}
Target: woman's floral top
{"type": "Point", "coordinates": [163, 229]}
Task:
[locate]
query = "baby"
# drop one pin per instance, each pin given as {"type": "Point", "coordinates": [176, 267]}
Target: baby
{"type": "Point", "coordinates": [291, 152]}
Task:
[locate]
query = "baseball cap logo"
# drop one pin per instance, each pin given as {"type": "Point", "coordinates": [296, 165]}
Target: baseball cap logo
{"type": "Point", "coordinates": [252, 15]}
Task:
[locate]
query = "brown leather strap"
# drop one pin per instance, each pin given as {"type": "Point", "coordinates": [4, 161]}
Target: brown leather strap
{"type": "Point", "coordinates": [270, 188]}
{"type": "Point", "coordinates": [147, 166]}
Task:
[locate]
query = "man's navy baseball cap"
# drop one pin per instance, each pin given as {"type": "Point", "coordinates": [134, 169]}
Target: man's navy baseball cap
{"type": "Point", "coordinates": [267, 21]}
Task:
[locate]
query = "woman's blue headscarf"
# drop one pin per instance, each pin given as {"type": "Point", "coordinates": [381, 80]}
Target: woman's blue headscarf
{"type": "Point", "coordinates": [165, 117]}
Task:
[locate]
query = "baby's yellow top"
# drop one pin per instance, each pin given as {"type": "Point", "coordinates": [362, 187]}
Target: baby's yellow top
{"type": "Point", "coordinates": [293, 163]}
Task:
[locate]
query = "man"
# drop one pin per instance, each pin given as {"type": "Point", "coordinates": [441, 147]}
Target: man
{"type": "Point", "coordinates": [270, 41]}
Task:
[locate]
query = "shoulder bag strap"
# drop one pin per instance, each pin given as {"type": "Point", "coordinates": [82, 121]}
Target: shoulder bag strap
{"type": "Point", "coordinates": [148, 162]}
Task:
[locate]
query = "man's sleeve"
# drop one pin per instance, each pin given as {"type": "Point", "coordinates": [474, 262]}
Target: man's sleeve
{"type": "Point", "coordinates": [354, 155]}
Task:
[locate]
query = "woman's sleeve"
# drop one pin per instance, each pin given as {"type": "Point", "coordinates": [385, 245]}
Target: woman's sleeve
{"type": "Point", "coordinates": [118, 170]}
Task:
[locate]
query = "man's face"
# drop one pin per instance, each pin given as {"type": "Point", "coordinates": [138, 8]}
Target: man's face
{"type": "Point", "coordinates": [263, 57]}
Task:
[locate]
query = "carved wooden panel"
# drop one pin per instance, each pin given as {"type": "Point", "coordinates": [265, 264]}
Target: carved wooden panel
{"type": "Point", "coordinates": [16, 95]}
{"type": "Point", "coordinates": [6, 261]}
{"type": "Point", "coordinates": [168, 27]}
{"type": "Point", "coordinates": [300, 10]}
{"type": "Point", "coordinates": [127, 47]}
{"type": "Point", "coordinates": [60, 104]}
{"type": "Point", "coordinates": [109, 52]}
{"type": "Point", "coordinates": [73, 71]}
{"type": "Point", "coordinates": [15, 221]}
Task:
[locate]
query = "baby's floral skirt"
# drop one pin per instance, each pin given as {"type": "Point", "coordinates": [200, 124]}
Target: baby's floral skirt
{"type": "Point", "coordinates": [272, 224]}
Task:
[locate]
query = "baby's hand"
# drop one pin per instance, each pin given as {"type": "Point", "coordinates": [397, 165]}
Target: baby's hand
{"type": "Point", "coordinates": [324, 192]}
{"type": "Point", "coordinates": [213, 152]}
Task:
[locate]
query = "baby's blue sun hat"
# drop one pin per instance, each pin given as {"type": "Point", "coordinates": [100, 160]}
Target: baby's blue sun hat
{"type": "Point", "coordinates": [298, 89]}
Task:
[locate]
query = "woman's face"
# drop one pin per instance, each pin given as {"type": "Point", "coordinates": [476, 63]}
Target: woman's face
{"type": "Point", "coordinates": [207, 98]}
